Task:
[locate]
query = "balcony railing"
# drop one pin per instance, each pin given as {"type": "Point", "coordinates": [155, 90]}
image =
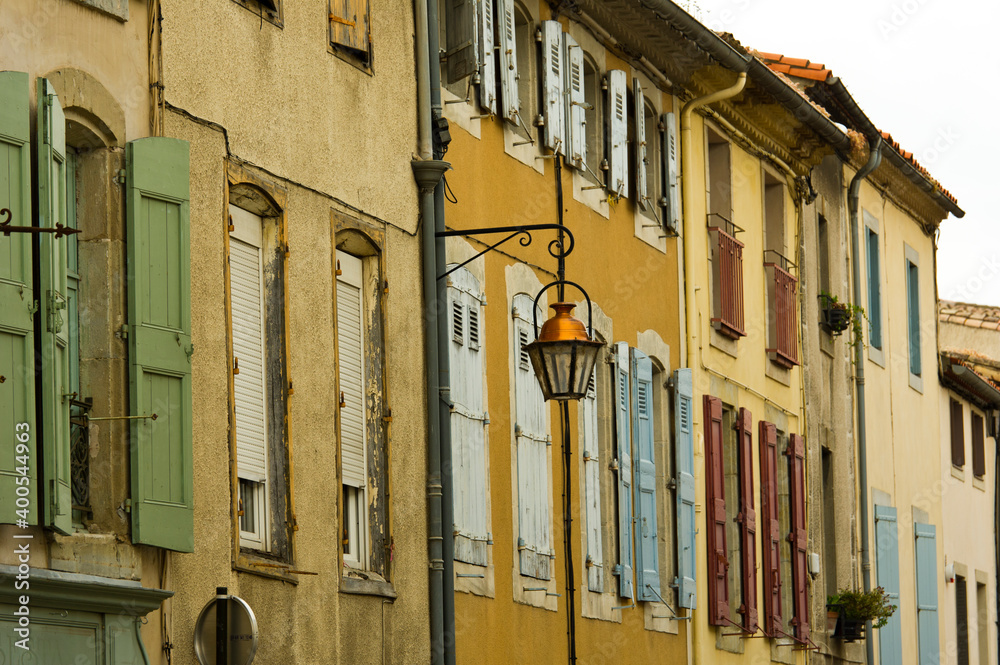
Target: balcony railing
{"type": "Point", "coordinates": [782, 334]}
{"type": "Point", "coordinates": [727, 277]}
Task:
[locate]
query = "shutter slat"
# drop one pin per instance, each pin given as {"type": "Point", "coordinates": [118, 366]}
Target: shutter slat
{"type": "Point", "coordinates": [350, 351]}
{"type": "Point", "coordinates": [508, 61]}
{"type": "Point", "coordinates": [644, 478]}
{"type": "Point", "coordinates": [748, 520]}
{"type": "Point", "coordinates": [487, 67]}
{"type": "Point", "coordinates": [462, 45]}
{"type": "Point", "coordinates": [927, 592]}
{"type": "Point", "coordinates": [887, 573]}
{"type": "Point", "coordinates": [671, 172]}
{"type": "Point", "coordinates": [771, 541]}
{"type": "Point", "coordinates": [553, 86]}
{"type": "Point", "coordinates": [618, 132]}
{"type": "Point", "coordinates": [576, 114]}
{"type": "Point", "coordinates": [800, 574]}
{"type": "Point", "coordinates": [715, 517]}
{"type": "Point", "coordinates": [624, 439]}
{"type": "Point", "coordinates": [349, 24]}
{"type": "Point", "coordinates": [686, 525]}
{"type": "Point", "coordinates": [639, 118]}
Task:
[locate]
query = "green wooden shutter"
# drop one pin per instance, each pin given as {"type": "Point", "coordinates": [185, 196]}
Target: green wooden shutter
{"type": "Point", "coordinates": [624, 436]}
{"type": "Point", "coordinates": [890, 641]}
{"type": "Point", "coordinates": [53, 322]}
{"type": "Point", "coordinates": [159, 296]}
{"type": "Point", "coordinates": [647, 560]}
{"type": "Point", "coordinates": [684, 451]}
{"type": "Point", "coordinates": [927, 593]}
{"type": "Point", "coordinates": [17, 298]}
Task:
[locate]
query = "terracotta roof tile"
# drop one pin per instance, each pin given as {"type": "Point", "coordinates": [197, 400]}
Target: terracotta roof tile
{"type": "Point", "coordinates": [967, 314]}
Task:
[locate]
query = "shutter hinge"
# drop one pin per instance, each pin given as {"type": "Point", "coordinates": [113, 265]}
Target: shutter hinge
{"type": "Point", "coordinates": [56, 302]}
{"type": "Point", "coordinates": [122, 332]}
{"type": "Point", "coordinates": [128, 505]}
{"type": "Point", "coordinates": [617, 570]}
{"type": "Point", "coordinates": [291, 390]}
{"type": "Point", "coordinates": [385, 286]}
{"type": "Point", "coordinates": [189, 350]}
{"type": "Point", "coordinates": [33, 308]}
{"type": "Point", "coordinates": [120, 178]}
{"type": "Point", "coordinates": [486, 418]}
{"type": "Point", "coordinates": [388, 416]}
{"type": "Point", "coordinates": [295, 523]}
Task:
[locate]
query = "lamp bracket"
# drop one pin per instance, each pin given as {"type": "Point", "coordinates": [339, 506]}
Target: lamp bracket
{"type": "Point", "coordinates": [60, 229]}
{"type": "Point", "coordinates": [556, 248]}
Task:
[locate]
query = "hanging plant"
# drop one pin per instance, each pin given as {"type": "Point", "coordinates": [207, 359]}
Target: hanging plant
{"type": "Point", "coordinates": [855, 608]}
{"type": "Point", "coordinates": [839, 317]}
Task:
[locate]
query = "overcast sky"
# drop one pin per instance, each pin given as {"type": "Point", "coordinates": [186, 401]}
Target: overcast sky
{"type": "Point", "coordinates": [920, 69]}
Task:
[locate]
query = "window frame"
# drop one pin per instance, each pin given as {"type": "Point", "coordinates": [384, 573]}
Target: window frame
{"type": "Point", "coordinates": [873, 287]}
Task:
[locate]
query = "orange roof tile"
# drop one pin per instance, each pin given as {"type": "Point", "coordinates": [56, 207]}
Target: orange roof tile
{"type": "Point", "coordinates": [966, 314]}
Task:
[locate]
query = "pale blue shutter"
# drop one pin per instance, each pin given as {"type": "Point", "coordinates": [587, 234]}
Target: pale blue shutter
{"type": "Point", "coordinates": [890, 640]}
{"type": "Point", "coordinates": [647, 553]}
{"type": "Point", "coordinates": [927, 598]}
{"type": "Point", "coordinates": [624, 436]}
{"type": "Point", "coordinates": [684, 451]}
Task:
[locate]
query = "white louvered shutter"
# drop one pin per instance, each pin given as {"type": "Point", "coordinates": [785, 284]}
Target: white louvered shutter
{"type": "Point", "coordinates": [468, 419]}
{"type": "Point", "coordinates": [647, 563]}
{"type": "Point", "coordinates": [623, 435]}
{"type": "Point", "coordinates": [553, 84]}
{"type": "Point", "coordinates": [671, 170]}
{"type": "Point", "coordinates": [350, 350]}
{"type": "Point", "coordinates": [508, 61]}
{"type": "Point", "coordinates": [576, 112]}
{"type": "Point", "coordinates": [618, 132]}
{"type": "Point", "coordinates": [247, 292]}
{"type": "Point", "coordinates": [487, 66]}
{"type": "Point", "coordinates": [641, 181]}
{"type": "Point", "coordinates": [590, 445]}
{"type": "Point", "coordinates": [531, 433]}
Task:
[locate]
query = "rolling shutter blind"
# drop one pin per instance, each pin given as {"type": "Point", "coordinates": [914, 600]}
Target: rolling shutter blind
{"type": "Point", "coordinates": [618, 132]}
{"type": "Point", "coordinates": [978, 447]}
{"type": "Point", "coordinates": [715, 515]}
{"type": "Point", "coordinates": [246, 280]}
{"type": "Point", "coordinates": [576, 114]}
{"type": "Point", "coordinates": [624, 438]}
{"type": "Point", "coordinates": [590, 444]}
{"type": "Point", "coordinates": [644, 478]}
{"type": "Point", "coordinates": [639, 118]}
{"type": "Point", "coordinates": [508, 61]}
{"type": "Point", "coordinates": [686, 528]}
{"type": "Point", "coordinates": [771, 543]}
{"type": "Point", "coordinates": [890, 639]}
{"type": "Point", "coordinates": [17, 297]}
{"type": "Point", "coordinates": [531, 433]}
{"type": "Point", "coordinates": [468, 420]}
{"type": "Point", "coordinates": [349, 24]}
{"type": "Point", "coordinates": [350, 349]}
{"type": "Point", "coordinates": [927, 593]}
{"type": "Point", "coordinates": [800, 574]}
{"type": "Point", "coordinates": [53, 321]}
{"type": "Point", "coordinates": [553, 86]}
{"type": "Point", "coordinates": [748, 520]}
{"type": "Point", "coordinates": [671, 170]}
{"type": "Point", "coordinates": [159, 308]}
{"type": "Point", "coordinates": [462, 48]}
{"type": "Point", "coordinates": [487, 66]}
{"type": "Point", "coordinates": [957, 433]}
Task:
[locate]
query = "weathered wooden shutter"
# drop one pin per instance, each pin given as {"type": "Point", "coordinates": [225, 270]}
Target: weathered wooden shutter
{"type": "Point", "coordinates": [800, 574]}
{"type": "Point", "coordinates": [576, 112]}
{"type": "Point", "coordinates": [531, 433]}
{"type": "Point", "coordinates": [715, 515]}
{"type": "Point", "coordinates": [508, 61]}
{"type": "Point", "coordinates": [671, 171]}
{"type": "Point", "coordinates": [927, 592]}
{"type": "Point", "coordinates": [957, 433]}
{"type": "Point", "coordinates": [553, 86]}
{"type": "Point", "coordinates": [468, 419]}
{"type": "Point", "coordinates": [53, 323]}
{"type": "Point", "coordinates": [349, 24]}
{"type": "Point", "coordinates": [461, 47]}
{"type": "Point", "coordinates": [618, 132]}
{"type": "Point", "coordinates": [978, 447]}
{"type": "Point", "coordinates": [639, 118]}
{"type": "Point", "coordinates": [487, 66]}
{"type": "Point", "coordinates": [890, 639]}
{"type": "Point", "coordinates": [17, 300]}
{"type": "Point", "coordinates": [591, 446]}
{"type": "Point", "coordinates": [350, 352]}
{"type": "Point", "coordinates": [747, 519]}
{"type": "Point", "coordinates": [647, 560]}
{"type": "Point", "coordinates": [771, 544]}
{"type": "Point", "coordinates": [624, 438]}
{"type": "Point", "coordinates": [684, 453]}
{"type": "Point", "coordinates": [159, 309]}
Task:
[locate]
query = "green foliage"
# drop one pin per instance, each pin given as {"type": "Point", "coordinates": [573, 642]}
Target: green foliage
{"type": "Point", "coordinates": [855, 314]}
{"type": "Point", "coordinates": [874, 606]}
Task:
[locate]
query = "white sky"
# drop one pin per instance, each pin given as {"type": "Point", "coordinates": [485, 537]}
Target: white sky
{"type": "Point", "coordinates": [922, 71]}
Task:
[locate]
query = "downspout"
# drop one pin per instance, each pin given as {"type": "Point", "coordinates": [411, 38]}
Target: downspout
{"type": "Point", "coordinates": [875, 148]}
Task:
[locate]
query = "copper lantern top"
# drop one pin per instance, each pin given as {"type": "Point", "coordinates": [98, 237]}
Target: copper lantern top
{"type": "Point", "coordinates": [563, 327]}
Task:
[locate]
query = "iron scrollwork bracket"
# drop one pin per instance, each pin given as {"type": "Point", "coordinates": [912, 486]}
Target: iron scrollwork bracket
{"type": "Point", "coordinates": [556, 248]}
{"type": "Point", "coordinates": [5, 227]}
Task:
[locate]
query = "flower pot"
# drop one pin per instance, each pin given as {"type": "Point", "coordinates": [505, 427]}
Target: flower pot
{"type": "Point", "coordinates": [849, 630]}
{"type": "Point", "coordinates": [836, 319]}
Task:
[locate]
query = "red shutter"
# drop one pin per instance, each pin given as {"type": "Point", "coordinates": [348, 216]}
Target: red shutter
{"type": "Point", "coordinates": [771, 548]}
{"type": "Point", "coordinates": [797, 451]}
{"type": "Point", "coordinates": [727, 271]}
{"type": "Point", "coordinates": [715, 499]}
{"type": "Point", "coordinates": [957, 434]}
{"type": "Point", "coordinates": [747, 519]}
{"type": "Point", "coordinates": [978, 447]}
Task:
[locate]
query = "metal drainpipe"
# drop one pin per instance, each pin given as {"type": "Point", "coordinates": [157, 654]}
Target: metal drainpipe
{"type": "Point", "coordinates": [875, 148]}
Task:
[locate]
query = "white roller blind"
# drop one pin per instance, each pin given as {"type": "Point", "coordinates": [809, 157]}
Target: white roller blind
{"type": "Point", "coordinates": [247, 293]}
{"type": "Point", "coordinates": [350, 349]}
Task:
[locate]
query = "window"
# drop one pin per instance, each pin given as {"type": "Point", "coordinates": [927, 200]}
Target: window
{"type": "Point", "coordinates": [468, 419]}
{"type": "Point", "coordinates": [350, 29]}
{"type": "Point", "coordinates": [782, 318]}
{"type": "Point", "coordinates": [829, 524]}
{"type": "Point", "coordinates": [823, 260]}
{"type": "Point", "coordinates": [978, 447]}
{"type": "Point", "coordinates": [727, 251]}
{"type": "Point", "coordinates": [912, 265]}
{"type": "Point", "coordinates": [719, 185]}
{"type": "Point", "coordinates": [961, 620]}
{"type": "Point", "coordinates": [267, 10]}
{"type": "Point", "coordinates": [874, 281]}
{"type": "Point", "coordinates": [957, 433]}
{"type": "Point", "coordinates": [887, 575]}
{"type": "Point", "coordinates": [351, 374]}
{"type": "Point", "coordinates": [593, 112]}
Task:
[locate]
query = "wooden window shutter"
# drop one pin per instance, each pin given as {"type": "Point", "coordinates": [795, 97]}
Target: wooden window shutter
{"type": "Point", "coordinates": [800, 573]}
{"type": "Point", "coordinates": [53, 322]}
{"type": "Point", "coordinates": [159, 311]}
{"type": "Point", "coordinates": [978, 447]}
{"type": "Point", "coordinates": [618, 132]}
{"type": "Point", "coordinates": [957, 433]}
{"type": "Point", "coordinates": [487, 66]}
{"type": "Point", "coordinates": [508, 61]}
{"type": "Point", "coordinates": [461, 47]}
{"type": "Point", "coordinates": [623, 431]}
{"type": "Point", "coordinates": [349, 24]}
{"type": "Point", "coordinates": [591, 446]}
{"type": "Point", "coordinates": [351, 370]}
{"type": "Point", "coordinates": [747, 518]}
{"type": "Point", "coordinates": [715, 515]}
{"type": "Point", "coordinates": [927, 599]}
{"type": "Point", "coordinates": [17, 296]}
{"type": "Point", "coordinates": [576, 113]}
{"type": "Point", "coordinates": [647, 561]}
{"type": "Point", "coordinates": [639, 118]}
{"type": "Point", "coordinates": [771, 542]}
{"type": "Point", "coordinates": [684, 455]}
{"type": "Point", "coordinates": [554, 86]}
{"type": "Point", "coordinates": [671, 170]}
{"type": "Point", "coordinates": [887, 574]}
